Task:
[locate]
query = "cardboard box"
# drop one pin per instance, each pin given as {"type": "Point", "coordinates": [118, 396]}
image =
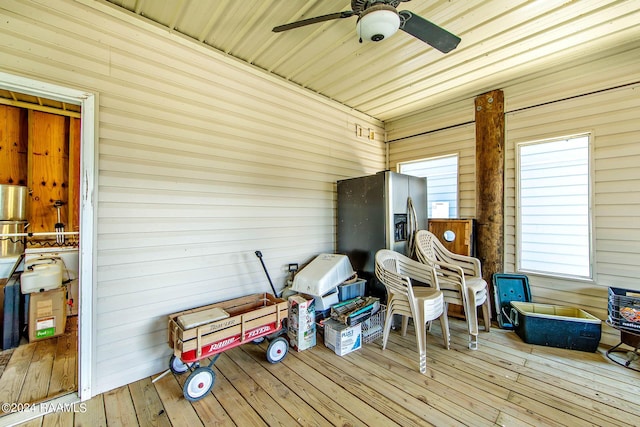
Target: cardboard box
{"type": "Point", "coordinates": [340, 338]}
{"type": "Point", "coordinates": [47, 314]}
{"type": "Point", "coordinates": [302, 322]}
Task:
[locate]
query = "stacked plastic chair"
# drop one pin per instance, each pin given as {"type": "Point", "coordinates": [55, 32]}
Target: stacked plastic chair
{"type": "Point", "coordinates": [460, 280]}
{"type": "Point", "coordinates": [424, 303]}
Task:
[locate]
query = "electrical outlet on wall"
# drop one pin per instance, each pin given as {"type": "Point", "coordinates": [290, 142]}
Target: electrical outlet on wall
{"type": "Point", "coordinates": [291, 268]}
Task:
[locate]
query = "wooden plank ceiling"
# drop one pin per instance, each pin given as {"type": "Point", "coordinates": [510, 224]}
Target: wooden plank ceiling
{"type": "Point", "coordinates": [502, 40]}
{"type": "Point", "coordinates": [22, 100]}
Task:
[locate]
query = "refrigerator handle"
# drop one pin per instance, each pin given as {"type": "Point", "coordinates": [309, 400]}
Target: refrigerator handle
{"type": "Point", "coordinates": [412, 226]}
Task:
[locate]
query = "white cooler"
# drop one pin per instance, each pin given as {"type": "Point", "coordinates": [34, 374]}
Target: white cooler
{"type": "Point", "coordinates": [323, 275]}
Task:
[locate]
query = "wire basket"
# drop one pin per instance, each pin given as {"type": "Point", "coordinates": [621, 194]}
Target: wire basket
{"type": "Point", "coordinates": [624, 309]}
{"type": "Point", "coordinates": [373, 327]}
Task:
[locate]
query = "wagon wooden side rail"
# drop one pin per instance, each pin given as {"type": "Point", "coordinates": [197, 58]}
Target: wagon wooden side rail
{"type": "Point", "coordinates": [250, 319]}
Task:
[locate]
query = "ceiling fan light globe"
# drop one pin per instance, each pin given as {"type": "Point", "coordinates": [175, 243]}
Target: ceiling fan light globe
{"type": "Point", "coordinates": [376, 25]}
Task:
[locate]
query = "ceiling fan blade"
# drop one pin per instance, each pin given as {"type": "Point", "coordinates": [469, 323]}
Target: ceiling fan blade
{"type": "Point", "coordinates": [303, 22]}
{"type": "Point", "coordinates": [428, 32]}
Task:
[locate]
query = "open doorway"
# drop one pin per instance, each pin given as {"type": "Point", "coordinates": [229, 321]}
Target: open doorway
{"type": "Point", "coordinates": [73, 209]}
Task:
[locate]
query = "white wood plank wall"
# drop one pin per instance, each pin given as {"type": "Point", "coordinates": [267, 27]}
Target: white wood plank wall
{"type": "Point", "coordinates": [441, 117]}
{"type": "Point", "coordinates": [612, 118]}
{"type": "Point", "coordinates": [613, 115]}
{"type": "Point", "coordinates": [202, 161]}
{"type": "Point", "coordinates": [458, 140]}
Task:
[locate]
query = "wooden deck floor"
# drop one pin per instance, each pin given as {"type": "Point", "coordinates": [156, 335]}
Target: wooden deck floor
{"type": "Point", "coordinates": [504, 382]}
{"type": "Point", "coordinates": [41, 370]}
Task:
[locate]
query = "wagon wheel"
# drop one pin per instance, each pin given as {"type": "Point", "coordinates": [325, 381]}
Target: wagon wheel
{"type": "Point", "coordinates": [277, 350]}
{"type": "Point", "coordinates": [177, 366]}
{"type": "Point", "coordinates": [199, 383]}
{"type": "Point", "coordinates": [258, 340]}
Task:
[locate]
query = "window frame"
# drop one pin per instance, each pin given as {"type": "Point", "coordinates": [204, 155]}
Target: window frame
{"type": "Point", "coordinates": [590, 213]}
{"type": "Point", "coordinates": [442, 156]}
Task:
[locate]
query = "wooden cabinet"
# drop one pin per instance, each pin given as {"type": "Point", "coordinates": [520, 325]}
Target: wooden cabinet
{"type": "Point", "coordinates": [457, 235]}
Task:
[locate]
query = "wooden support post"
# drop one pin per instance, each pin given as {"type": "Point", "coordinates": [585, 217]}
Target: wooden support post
{"type": "Point", "coordinates": [490, 182]}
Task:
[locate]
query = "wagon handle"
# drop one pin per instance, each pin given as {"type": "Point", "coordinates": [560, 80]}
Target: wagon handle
{"type": "Point", "coordinates": [264, 267]}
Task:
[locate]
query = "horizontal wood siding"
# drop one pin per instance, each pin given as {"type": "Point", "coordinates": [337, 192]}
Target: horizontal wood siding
{"type": "Point", "coordinates": [436, 118]}
{"type": "Point", "coordinates": [582, 75]}
{"type": "Point", "coordinates": [612, 115]}
{"type": "Point", "coordinates": [458, 140]}
{"type": "Point", "coordinates": [612, 119]}
{"type": "Point", "coordinates": [202, 161]}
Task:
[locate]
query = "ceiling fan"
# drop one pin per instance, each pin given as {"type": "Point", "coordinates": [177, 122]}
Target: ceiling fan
{"type": "Point", "coordinates": [379, 19]}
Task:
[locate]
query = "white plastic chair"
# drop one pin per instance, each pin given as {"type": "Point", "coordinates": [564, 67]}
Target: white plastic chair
{"type": "Point", "coordinates": [460, 280]}
{"type": "Point", "coordinates": [404, 297]}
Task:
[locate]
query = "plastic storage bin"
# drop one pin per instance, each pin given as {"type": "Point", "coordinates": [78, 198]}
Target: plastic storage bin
{"type": "Point", "coordinates": [351, 290]}
{"type": "Point", "coordinates": [624, 309]}
{"type": "Point", "coordinates": [556, 326]}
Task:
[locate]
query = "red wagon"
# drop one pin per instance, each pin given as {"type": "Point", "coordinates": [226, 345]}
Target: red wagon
{"type": "Point", "coordinates": [209, 330]}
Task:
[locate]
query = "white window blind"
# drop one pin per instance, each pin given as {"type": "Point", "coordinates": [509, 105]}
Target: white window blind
{"type": "Point", "coordinates": [554, 200]}
{"type": "Point", "coordinates": [442, 183]}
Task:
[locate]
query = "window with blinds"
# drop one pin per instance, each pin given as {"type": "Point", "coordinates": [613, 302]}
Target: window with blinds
{"type": "Point", "coordinates": [554, 225]}
{"type": "Point", "coordinates": [442, 183]}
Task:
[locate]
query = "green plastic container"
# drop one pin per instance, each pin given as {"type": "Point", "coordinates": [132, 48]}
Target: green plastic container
{"type": "Point", "coordinates": [509, 287]}
{"type": "Point", "coordinates": [556, 326]}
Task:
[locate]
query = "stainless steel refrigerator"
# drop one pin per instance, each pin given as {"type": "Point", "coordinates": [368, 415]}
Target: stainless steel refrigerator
{"type": "Point", "coordinates": [380, 211]}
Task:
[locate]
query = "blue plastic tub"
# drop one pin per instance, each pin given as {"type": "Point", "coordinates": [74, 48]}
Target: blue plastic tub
{"type": "Point", "coordinates": [348, 291]}
{"type": "Point", "coordinates": [556, 326]}
{"type": "Point", "coordinates": [509, 287]}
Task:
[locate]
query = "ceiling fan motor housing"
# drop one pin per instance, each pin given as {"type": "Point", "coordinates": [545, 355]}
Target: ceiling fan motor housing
{"type": "Point", "coordinates": [379, 19]}
{"type": "Point", "coordinates": [378, 22]}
